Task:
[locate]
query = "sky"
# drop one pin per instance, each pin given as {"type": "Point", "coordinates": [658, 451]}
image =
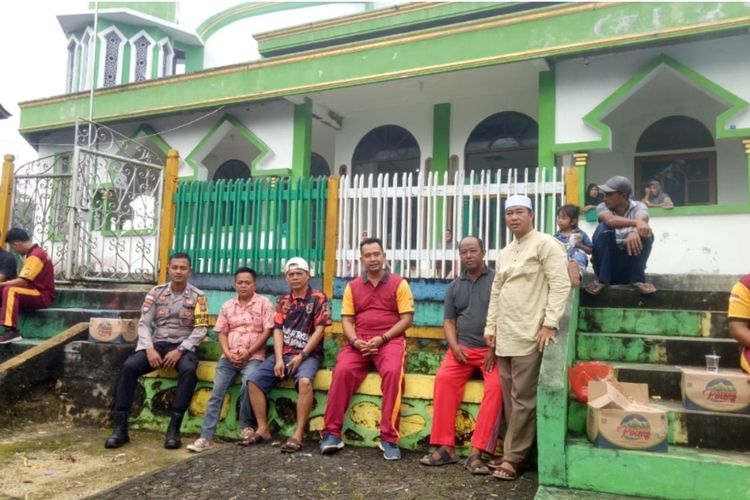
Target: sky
{"type": "Point", "coordinates": [32, 62]}
{"type": "Point", "coordinates": [33, 57]}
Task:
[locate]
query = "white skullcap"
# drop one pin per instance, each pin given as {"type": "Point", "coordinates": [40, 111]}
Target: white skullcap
{"type": "Point", "coordinates": [296, 263]}
{"type": "Point", "coordinates": [518, 200]}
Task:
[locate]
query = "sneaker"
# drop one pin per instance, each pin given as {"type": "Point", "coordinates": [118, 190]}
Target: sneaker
{"type": "Point", "coordinates": [200, 444]}
{"type": "Point", "coordinates": [330, 444]}
{"type": "Point", "coordinates": [246, 432]}
{"type": "Point", "coordinates": [390, 450]}
{"type": "Point", "coordinates": [10, 335]}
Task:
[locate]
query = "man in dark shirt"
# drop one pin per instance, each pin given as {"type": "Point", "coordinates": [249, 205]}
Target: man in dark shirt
{"type": "Point", "coordinates": [7, 266]}
{"type": "Point", "coordinates": [466, 302]}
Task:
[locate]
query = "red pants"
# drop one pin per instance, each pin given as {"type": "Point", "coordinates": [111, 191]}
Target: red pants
{"type": "Point", "coordinates": [23, 298]}
{"type": "Point", "coordinates": [351, 369]}
{"type": "Point", "coordinates": [450, 382]}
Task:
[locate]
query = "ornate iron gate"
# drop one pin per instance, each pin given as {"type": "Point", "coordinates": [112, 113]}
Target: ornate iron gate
{"type": "Point", "coordinates": [95, 209]}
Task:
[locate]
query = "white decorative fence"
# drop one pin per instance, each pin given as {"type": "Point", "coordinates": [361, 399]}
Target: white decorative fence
{"type": "Point", "coordinates": [412, 213]}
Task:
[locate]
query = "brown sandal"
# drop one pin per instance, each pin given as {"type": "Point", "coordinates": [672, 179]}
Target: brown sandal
{"type": "Point", "coordinates": [253, 438]}
{"type": "Point", "coordinates": [291, 446]}
{"type": "Point", "coordinates": [444, 458]}
{"type": "Point", "coordinates": [595, 288]}
{"type": "Point", "coordinates": [508, 471]}
{"type": "Point", "coordinates": [475, 465]}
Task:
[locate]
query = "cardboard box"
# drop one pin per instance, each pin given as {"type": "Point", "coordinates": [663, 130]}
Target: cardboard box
{"type": "Point", "coordinates": [619, 417]}
{"type": "Point", "coordinates": [113, 330]}
{"type": "Point", "coordinates": [726, 391]}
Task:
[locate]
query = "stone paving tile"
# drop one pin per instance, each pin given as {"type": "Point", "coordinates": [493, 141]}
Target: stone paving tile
{"type": "Point", "coordinates": [262, 471]}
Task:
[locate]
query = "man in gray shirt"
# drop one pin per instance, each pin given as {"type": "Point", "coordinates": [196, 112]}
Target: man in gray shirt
{"type": "Point", "coordinates": [466, 302]}
{"type": "Point", "coordinates": [622, 241]}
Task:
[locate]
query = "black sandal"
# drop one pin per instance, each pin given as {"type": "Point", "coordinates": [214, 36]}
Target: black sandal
{"type": "Point", "coordinates": [445, 458]}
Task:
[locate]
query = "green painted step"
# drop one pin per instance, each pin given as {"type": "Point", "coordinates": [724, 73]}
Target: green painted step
{"type": "Point", "coordinates": [654, 322]}
{"type": "Point", "coordinates": [100, 298]}
{"type": "Point", "coordinates": [700, 429]}
{"type": "Point", "coordinates": [46, 323]}
{"type": "Point", "coordinates": [681, 473]}
{"type": "Point", "coordinates": [552, 493]}
{"type": "Point", "coordinates": [654, 349]}
{"type": "Point", "coordinates": [626, 298]}
{"type": "Point", "coordinates": [8, 351]}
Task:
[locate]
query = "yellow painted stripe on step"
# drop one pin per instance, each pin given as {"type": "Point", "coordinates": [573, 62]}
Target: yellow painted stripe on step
{"type": "Point", "coordinates": [416, 332]}
{"type": "Point", "coordinates": [417, 386]}
{"type": "Point", "coordinates": [705, 323]}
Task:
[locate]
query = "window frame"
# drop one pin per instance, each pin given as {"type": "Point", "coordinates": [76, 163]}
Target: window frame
{"type": "Point", "coordinates": [668, 157]}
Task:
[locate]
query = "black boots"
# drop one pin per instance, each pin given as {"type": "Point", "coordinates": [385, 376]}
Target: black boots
{"type": "Point", "coordinates": [172, 439]}
{"type": "Point", "coordinates": [120, 432]}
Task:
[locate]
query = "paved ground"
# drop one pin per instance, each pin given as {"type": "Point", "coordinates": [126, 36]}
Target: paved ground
{"type": "Point", "coordinates": [233, 472]}
{"type": "Point", "coordinates": [44, 455]}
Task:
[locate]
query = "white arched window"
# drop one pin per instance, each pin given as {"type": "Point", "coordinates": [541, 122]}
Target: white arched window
{"type": "Point", "coordinates": [70, 73]}
{"type": "Point", "coordinates": [86, 60]}
{"type": "Point", "coordinates": [141, 57]}
{"type": "Point", "coordinates": [166, 57]}
{"type": "Point", "coordinates": [110, 62]}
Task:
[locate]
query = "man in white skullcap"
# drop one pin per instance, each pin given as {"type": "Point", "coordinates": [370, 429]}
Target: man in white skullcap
{"type": "Point", "coordinates": [300, 319]}
{"type": "Point", "coordinates": [527, 300]}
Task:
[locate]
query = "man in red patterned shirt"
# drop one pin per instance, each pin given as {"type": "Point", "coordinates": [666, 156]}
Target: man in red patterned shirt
{"type": "Point", "coordinates": [34, 288]}
{"type": "Point", "coordinates": [301, 317]}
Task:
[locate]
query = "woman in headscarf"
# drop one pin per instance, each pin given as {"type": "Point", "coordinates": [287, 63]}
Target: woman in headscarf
{"type": "Point", "coordinates": [593, 198]}
{"type": "Point", "coordinates": [656, 197]}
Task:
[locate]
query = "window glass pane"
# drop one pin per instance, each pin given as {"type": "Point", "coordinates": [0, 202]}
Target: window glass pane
{"type": "Point", "coordinates": [675, 132]}
{"type": "Point", "coordinates": [698, 193]}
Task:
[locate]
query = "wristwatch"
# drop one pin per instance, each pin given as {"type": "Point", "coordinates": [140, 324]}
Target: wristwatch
{"type": "Point", "coordinates": [182, 349]}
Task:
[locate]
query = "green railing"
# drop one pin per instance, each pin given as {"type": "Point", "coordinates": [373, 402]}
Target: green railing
{"type": "Point", "coordinates": [256, 222]}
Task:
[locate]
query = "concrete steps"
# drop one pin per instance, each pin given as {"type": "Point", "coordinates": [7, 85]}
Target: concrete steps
{"type": "Point", "coordinates": [648, 339]}
{"type": "Point", "coordinates": [661, 349]}
{"type": "Point", "coordinates": [699, 429]}
{"type": "Point", "coordinates": [681, 473]}
{"type": "Point", "coordinates": [46, 323]}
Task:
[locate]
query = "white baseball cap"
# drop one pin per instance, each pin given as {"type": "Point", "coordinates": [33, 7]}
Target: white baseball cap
{"type": "Point", "coordinates": [296, 263]}
{"type": "Point", "coordinates": [518, 200]}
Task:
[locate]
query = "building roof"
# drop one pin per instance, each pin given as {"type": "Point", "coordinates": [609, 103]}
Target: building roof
{"type": "Point", "coordinates": [75, 22]}
{"type": "Point", "coordinates": [3, 113]}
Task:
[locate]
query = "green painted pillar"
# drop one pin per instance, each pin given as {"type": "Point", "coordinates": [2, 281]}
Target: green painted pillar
{"type": "Point", "coordinates": [302, 140]}
{"type": "Point", "coordinates": [441, 150]}
{"type": "Point", "coordinates": [441, 137]}
{"type": "Point", "coordinates": [545, 151]}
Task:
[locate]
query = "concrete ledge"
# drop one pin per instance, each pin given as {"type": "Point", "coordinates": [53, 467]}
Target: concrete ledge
{"type": "Point", "coordinates": [39, 364]}
{"type": "Point", "coordinates": [416, 386]}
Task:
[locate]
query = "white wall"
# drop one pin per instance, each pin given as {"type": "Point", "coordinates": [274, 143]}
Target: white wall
{"type": "Point", "coordinates": [581, 87]}
{"type": "Point", "coordinates": [698, 244]}
{"type": "Point", "coordinates": [234, 43]}
{"type": "Point", "coordinates": [324, 143]}
{"type": "Point", "coordinates": [466, 113]}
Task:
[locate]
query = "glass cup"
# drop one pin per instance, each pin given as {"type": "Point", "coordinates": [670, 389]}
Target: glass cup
{"type": "Point", "coordinates": [712, 363]}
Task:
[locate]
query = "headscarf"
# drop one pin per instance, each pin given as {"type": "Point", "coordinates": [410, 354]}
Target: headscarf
{"type": "Point", "coordinates": [660, 196]}
{"type": "Point", "coordinates": [593, 200]}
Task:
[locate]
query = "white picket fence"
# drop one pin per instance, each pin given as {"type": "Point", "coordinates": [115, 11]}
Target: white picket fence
{"type": "Point", "coordinates": [411, 215]}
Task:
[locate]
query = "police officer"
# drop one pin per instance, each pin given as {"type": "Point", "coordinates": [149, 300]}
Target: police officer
{"type": "Point", "coordinates": [173, 322]}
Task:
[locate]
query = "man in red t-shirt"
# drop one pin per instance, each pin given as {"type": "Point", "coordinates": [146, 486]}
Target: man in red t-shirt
{"type": "Point", "coordinates": [376, 310]}
{"type": "Point", "coordinates": [34, 288]}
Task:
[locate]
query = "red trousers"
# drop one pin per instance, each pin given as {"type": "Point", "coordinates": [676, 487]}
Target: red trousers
{"type": "Point", "coordinates": [23, 298]}
{"type": "Point", "coordinates": [351, 369]}
{"type": "Point", "coordinates": [450, 383]}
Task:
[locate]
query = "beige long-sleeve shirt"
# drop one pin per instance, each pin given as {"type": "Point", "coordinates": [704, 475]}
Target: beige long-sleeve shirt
{"type": "Point", "coordinates": [530, 290]}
